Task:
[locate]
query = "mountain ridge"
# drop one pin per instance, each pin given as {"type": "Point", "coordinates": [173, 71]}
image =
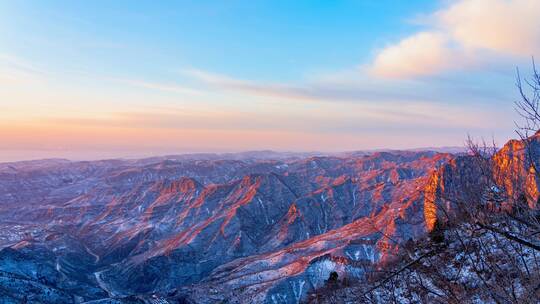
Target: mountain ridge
{"type": "Point", "coordinates": [268, 231]}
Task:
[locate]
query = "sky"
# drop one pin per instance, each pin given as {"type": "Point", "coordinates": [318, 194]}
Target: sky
{"type": "Point", "coordinates": [106, 79]}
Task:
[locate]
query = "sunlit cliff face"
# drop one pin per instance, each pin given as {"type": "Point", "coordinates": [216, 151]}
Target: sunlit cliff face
{"type": "Point", "coordinates": [430, 200]}
{"type": "Point", "coordinates": [464, 180]}
{"type": "Point", "coordinates": [514, 167]}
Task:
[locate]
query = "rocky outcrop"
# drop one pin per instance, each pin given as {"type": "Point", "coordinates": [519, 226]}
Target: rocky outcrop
{"type": "Point", "coordinates": [467, 180]}
{"type": "Point", "coordinates": [515, 168]}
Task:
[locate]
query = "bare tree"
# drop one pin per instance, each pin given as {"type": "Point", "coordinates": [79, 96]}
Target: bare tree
{"type": "Point", "coordinates": [528, 105]}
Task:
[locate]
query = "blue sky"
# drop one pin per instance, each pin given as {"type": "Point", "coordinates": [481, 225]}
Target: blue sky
{"type": "Point", "coordinates": [258, 40]}
{"type": "Point", "coordinates": [90, 79]}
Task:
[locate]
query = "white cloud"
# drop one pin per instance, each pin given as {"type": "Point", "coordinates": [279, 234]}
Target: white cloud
{"type": "Point", "coordinates": [504, 26]}
{"type": "Point", "coordinates": [422, 54]}
{"type": "Point", "coordinates": [464, 34]}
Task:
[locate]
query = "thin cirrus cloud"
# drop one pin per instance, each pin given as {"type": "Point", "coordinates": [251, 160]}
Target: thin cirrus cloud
{"type": "Point", "coordinates": [320, 119]}
{"type": "Point", "coordinates": [138, 133]}
{"type": "Point", "coordinates": [167, 87]}
{"type": "Point", "coordinates": [462, 36]}
{"type": "Point", "coordinates": [348, 87]}
{"type": "Point", "coordinates": [14, 69]}
{"type": "Point", "coordinates": [228, 83]}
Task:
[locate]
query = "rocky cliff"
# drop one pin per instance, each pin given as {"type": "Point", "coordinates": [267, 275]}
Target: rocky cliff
{"type": "Point", "coordinates": [510, 174]}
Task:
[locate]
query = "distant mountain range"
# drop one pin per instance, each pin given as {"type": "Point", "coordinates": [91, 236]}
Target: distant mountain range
{"type": "Point", "coordinates": [247, 155]}
{"type": "Point", "coordinates": [252, 227]}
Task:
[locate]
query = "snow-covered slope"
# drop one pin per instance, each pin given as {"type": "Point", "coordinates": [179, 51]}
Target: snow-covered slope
{"type": "Point", "coordinates": [206, 230]}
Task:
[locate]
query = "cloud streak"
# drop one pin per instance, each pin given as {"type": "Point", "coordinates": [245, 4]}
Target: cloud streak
{"type": "Point", "coordinates": [350, 87]}
{"type": "Point", "coordinates": [16, 70]}
{"type": "Point", "coordinates": [166, 87]}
